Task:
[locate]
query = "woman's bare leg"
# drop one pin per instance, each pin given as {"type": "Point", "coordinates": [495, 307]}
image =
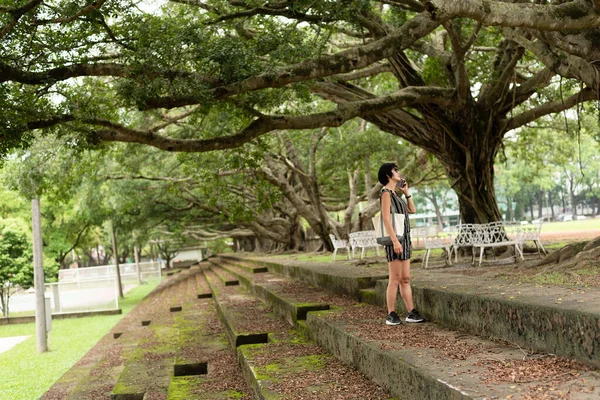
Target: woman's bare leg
{"type": "Point", "coordinates": [393, 284]}
{"type": "Point", "coordinates": [405, 290]}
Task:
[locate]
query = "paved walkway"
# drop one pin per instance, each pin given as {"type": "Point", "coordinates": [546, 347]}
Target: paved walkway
{"type": "Point", "coordinates": [8, 343]}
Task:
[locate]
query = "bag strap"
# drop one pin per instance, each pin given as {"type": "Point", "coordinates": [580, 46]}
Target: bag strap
{"type": "Point", "coordinates": [381, 214]}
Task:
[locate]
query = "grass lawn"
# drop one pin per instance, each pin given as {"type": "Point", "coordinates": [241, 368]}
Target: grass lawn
{"type": "Point", "coordinates": [27, 375]}
{"type": "Point", "coordinates": [571, 225]}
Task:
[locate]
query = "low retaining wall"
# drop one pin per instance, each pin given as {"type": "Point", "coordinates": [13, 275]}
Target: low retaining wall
{"type": "Point", "coordinates": [350, 286]}
{"type": "Point", "coordinates": [31, 318]}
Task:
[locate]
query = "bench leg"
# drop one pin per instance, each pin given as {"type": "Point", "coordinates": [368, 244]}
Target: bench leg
{"type": "Point", "coordinates": [481, 255]}
{"type": "Point", "coordinates": [427, 258]}
{"type": "Point", "coordinates": [334, 251]}
{"type": "Point", "coordinates": [362, 253]}
{"type": "Point", "coordinates": [519, 252]}
{"type": "Point", "coordinates": [348, 252]}
{"type": "Point", "coordinates": [449, 255]}
{"type": "Point", "coordinates": [539, 247]}
{"type": "Point", "coordinates": [377, 250]}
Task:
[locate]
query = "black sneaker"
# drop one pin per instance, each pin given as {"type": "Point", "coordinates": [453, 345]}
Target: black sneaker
{"type": "Point", "coordinates": [414, 316]}
{"type": "Point", "coordinates": [393, 319]}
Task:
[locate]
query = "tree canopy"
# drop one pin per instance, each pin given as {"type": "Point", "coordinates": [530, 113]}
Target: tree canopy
{"type": "Point", "coordinates": [451, 77]}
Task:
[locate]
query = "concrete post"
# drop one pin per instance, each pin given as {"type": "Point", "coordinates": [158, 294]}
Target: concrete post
{"type": "Point", "coordinates": [116, 255]}
{"type": "Point", "coordinates": [137, 260]}
{"type": "Point", "coordinates": [38, 278]}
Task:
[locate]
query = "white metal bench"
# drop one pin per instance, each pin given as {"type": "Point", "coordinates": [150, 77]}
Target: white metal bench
{"type": "Point", "coordinates": [363, 240]}
{"type": "Point", "coordinates": [496, 234]}
{"type": "Point", "coordinates": [464, 238]}
{"type": "Point", "coordinates": [339, 244]}
{"type": "Point", "coordinates": [418, 234]}
{"type": "Point", "coordinates": [438, 242]}
{"type": "Point", "coordinates": [531, 232]}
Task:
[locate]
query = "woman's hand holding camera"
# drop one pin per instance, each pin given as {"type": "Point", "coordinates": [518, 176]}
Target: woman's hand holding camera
{"type": "Point", "coordinates": [397, 247]}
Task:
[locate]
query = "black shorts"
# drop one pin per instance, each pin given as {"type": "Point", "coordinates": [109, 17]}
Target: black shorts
{"type": "Point", "coordinates": [406, 243]}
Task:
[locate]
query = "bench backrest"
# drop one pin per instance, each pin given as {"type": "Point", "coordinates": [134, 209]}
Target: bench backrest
{"type": "Point", "coordinates": [496, 232]}
{"type": "Point", "coordinates": [531, 231]}
{"type": "Point", "coordinates": [338, 243]}
{"type": "Point", "coordinates": [465, 235]}
{"type": "Point", "coordinates": [363, 239]}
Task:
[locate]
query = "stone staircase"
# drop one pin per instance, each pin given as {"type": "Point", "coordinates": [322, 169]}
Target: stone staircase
{"type": "Point", "coordinates": [292, 331]}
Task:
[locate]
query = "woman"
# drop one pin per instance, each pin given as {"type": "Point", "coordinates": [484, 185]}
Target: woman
{"type": "Point", "coordinates": [398, 254]}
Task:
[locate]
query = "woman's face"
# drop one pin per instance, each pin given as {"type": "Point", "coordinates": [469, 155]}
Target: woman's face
{"type": "Point", "coordinates": [395, 175]}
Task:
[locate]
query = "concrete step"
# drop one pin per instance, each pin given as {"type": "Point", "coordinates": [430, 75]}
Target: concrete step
{"type": "Point", "coordinates": [202, 288]}
{"type": "Point", "coordinates": [425, 361]}
{"type": "Point", "coordinates": [555, 320]}
{"type": "Point", "coordinates": [226, 278]}
{"type": "Point", "coordinates": [249, 267]}
{"type": "Point", "coordinates": [149, 367]}
{"type": "Point", "coordinates": [204, 366]}
{"type": "Point", "coordinates": [287, 366]}
{"type": "Point", "coordinates": [506, 312]}
{"type": "Point", "coordinates": [286, 301]}
{"type": "Point", "coordinates": [237, 311]}
{"type": "Point", "coordinates": [95, 375]}
{"type": "Point", "coordinates": [334, 278]}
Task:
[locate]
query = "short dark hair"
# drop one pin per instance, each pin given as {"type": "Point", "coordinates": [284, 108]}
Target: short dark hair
{"type": "Point", "coordinates": [385, 173]}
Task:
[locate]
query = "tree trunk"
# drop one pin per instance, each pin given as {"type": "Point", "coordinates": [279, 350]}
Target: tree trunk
{"type": "Point", "coordinates": [531, 208]}
{"type": "Point", "coordinates": [4, 301]}
{"type": "Point", "coordinates": [573, 198]}
{"type": "Point", "coordinates": [116, 257]}
{"type": "Point", "coordinates": [509, 210]}
{"type": "Point", "coordinates": [367, 170]}
{"type": "Point", "coordinates": [296, 240]}
{"type": "Point", "coordinates": [540, 195]}
{"type": "Point", "coordinates": [470, 170]}
{"type": "Point", "coordinates": [438, 214]}
{"type": "Point", "coordinates": [551, 204]}
{"type": "Point", "coordinates": [476, 206]}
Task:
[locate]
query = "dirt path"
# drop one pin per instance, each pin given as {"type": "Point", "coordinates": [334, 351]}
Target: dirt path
{"type": "Point", "coordinates": [569, 235]}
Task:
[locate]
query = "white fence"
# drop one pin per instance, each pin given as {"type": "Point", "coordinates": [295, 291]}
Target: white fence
{"type": "Point", "coordinates": [148, 270]}
{"type": "Point", "coordinates": [85, 289]}
{"type": "Point", "coordinates": [66, 297]}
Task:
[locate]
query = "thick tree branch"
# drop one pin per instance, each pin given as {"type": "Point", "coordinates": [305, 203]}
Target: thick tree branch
{"type": "Point", "coordinates": [290, 14]}
{"type": "Point", "coordinates": [147, 178]}
{"type": "Point", "coordinates": [572, 15]}
{"type": "Point", "coordinates": [364, 73]}
{"type": "Point", "coordinates": [342, 62]}
{"type": "Point", "coordinates": [550, 108]}
{"type": "Point", "coordinates": [264, 124]}
{"type": "Point", "coordinates": [411, 5]}
{"type": "Point", "coordinates": [8, 73]}
{"type": "Point", "coordinates": [521, 93]}
{"type": "Point", "coordinates": [498, 91]}
{"type": "Point", "coordinates": [463, 85]}
{"type": "Point", "coordinates": [564, 64]}
{"type": "Point", "coordinates": [16, 14]}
